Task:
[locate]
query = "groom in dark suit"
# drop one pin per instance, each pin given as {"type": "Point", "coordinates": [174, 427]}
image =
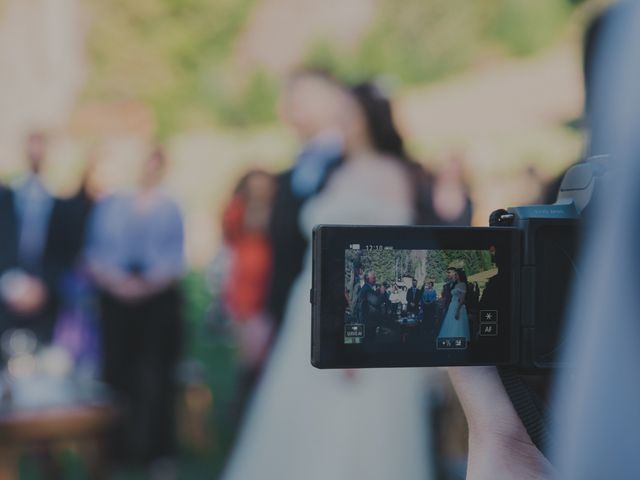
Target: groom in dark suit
{"type": "Point", "coordinates": [445, 296]}
{"type": "Point", "coordinates": [308, 106]}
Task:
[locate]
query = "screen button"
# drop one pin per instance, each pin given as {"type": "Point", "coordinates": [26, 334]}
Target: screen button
{"type": "Point", "coordinates": [488, 329]}
{"type": "Point", "coordinates": [451, 343]}
{"type": "Point", "coordinates": [490, 316]}
{"type": "Point", "coordinates": [354, 330]}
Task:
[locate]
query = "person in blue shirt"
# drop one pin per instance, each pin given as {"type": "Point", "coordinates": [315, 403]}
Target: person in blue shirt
{"type": "Point", "coordinates": [428, 303]}
{"type": "Point", "coordinates": [135, 257]}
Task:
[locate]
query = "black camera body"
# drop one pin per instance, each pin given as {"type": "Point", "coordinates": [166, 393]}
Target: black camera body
{"type": "Point", "coordinates": [548, 255]}
{"type": "Point", "coordinates": [401, 296]}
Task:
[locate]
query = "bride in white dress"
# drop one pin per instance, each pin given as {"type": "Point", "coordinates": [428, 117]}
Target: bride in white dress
{"type": "Point", "coordinates": [308, 424]}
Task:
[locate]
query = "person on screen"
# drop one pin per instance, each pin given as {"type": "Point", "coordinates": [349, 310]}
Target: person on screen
{"type": "Point", "coordinates": [428, 306]}
{"type": "Point", "coordinates": [456, 320]}
{"type": "Point", "coordinates": [413, 298]}
{"type": "Point", "coordinates": [475, 300]}
{"type": "Point", "coordinates": [445, 295]}
{"type": "Point", "coordinates": [369, 305]}
{"type": "Point", "coordinates": [490, 297]}
{"type": "Point", "coordinates": [387, 306]}
{"type": "Point", "coordinates": [358, 283]}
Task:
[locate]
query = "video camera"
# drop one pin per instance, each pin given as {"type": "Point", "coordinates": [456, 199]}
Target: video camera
{"type": "Point", "coordinates": [398, 296]}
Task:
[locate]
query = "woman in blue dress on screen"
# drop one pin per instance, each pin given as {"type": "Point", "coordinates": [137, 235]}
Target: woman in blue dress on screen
{"type": "Point", "coordinates": [456, 321]}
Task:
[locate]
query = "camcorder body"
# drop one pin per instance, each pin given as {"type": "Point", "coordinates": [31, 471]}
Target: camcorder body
{"type": "Point", "coordinates": [415, 296]}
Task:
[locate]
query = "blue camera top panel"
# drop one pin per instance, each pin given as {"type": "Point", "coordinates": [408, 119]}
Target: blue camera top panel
{"type": "Point", "coordinates": [560, 211]}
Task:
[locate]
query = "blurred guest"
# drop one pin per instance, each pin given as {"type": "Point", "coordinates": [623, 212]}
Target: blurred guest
{"type": "Point", "coordinates": [77, 328]}
{"type": "Point", "coordinates": [78, 207]}
{"type": "Point", "coordinates": [245, 224]}
{"type": "Point", "coordinates": [33, 253]}
{"type": "Point", "coordinates": [135, 256]}
{"type": "Point", "coordinates": [310, 109]}
{"type": "Point", "coordinates": [312, 424]}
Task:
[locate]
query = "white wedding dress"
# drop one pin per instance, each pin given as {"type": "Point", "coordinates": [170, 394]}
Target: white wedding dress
{"type": "Point", "coordinates": [309, 424]}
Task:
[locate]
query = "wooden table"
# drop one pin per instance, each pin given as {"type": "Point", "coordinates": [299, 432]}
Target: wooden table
{"type": "Point", "coordinates": [47, 430]}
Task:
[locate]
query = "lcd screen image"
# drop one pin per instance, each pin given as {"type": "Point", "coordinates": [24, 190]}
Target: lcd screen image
{"type": "Point", "coordinates": [426, 300]}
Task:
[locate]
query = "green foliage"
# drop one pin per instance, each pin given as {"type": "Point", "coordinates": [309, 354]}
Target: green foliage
{"type": "Point", "coordinates": [523, 26]}
{"type": "Point", "coordinates": [392, 265]}
{"type": "Point", "coordinates": [164, 52]}
{"type": "Point", "coordinates": [325, 55]}
{"type": "Point", "coordinates": [175, 55]}
{"type": "Point", "coordinates": [253, 104]}
{"type": "Point", "coordinates": [420, 41]}
{"type": "Point", "coordinates": [216, 353]}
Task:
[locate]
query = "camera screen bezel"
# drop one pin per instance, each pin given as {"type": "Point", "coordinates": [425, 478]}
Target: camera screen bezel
{"type": "Point", "coordinates": [329, 245]}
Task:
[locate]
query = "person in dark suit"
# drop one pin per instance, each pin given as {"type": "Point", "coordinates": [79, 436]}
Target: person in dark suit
{"type": "Point", "coordinates": [386, 307]}
{"type": "Point", "coordinates": [309, 106]}
{"type": "Point", "coordinates": [77, 316]}
{"type": "Point", "coordinates": [413, 298]}
{"type": "Point", "coordinates": [369, 306]}
{"type": "Point", "coordinates": [445, 295]}
{"type": "Point", "coordinates": [33, 249]}
{"type": "Point", "coordinates": [77, 211]}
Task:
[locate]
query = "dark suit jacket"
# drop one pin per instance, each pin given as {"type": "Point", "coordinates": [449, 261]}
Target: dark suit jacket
{"type": "Point", "coordinates": [288, 243]}
{"type": "Point", "coordinates": [413, 297]}
{"type": "Point", "coordinates": [56, 258]}
{"type": "Point", "coordinates": [70, 227]}
{"type": "Point", "coordinates": [8, 229]}
{"type": "Point", "coordinates": [370, 304]}
{"type": "Point", "coordinates": [446, 295]}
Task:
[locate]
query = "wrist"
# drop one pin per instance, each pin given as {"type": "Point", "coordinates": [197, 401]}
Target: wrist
{"type": "Point", "coordinates": [499, 455]}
